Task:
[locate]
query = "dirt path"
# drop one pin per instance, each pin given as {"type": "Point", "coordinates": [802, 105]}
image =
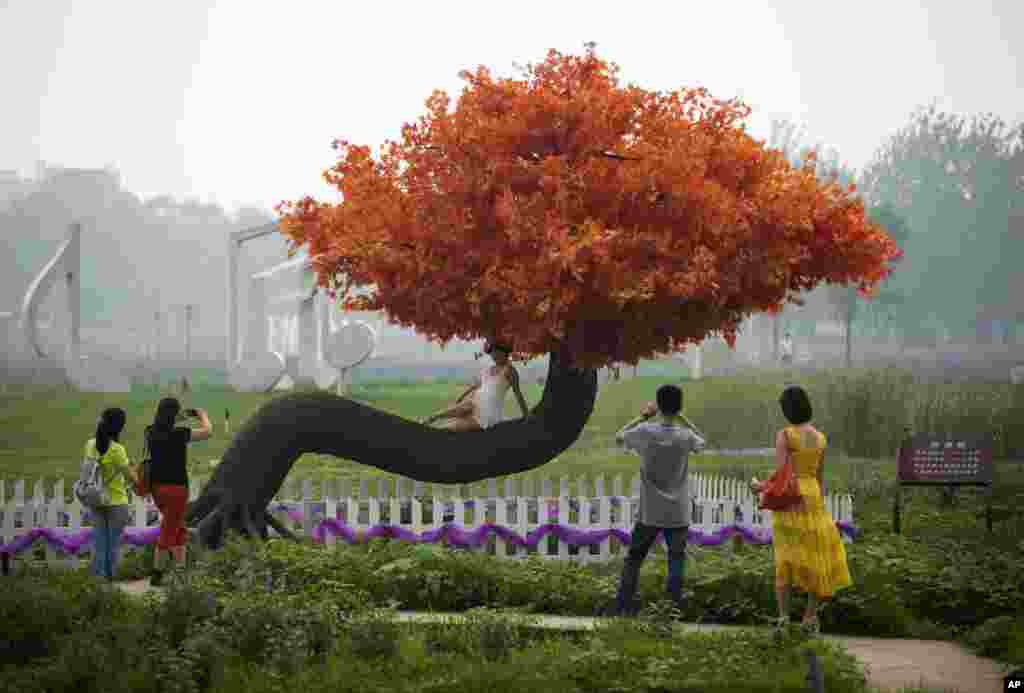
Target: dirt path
{"type": "Point", "coordinates": [892, 664]}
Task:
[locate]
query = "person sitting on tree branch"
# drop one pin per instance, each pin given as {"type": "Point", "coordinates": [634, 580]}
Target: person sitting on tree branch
{"type": "Point", "coordinates": [487, 406]}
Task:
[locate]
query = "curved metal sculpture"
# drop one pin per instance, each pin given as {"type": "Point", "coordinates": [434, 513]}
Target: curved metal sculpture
{"type": "Point", "coordinates": [66, 261]}
{"type": "Point", "coordinates": [259, 458]}
{"type": "Point", "coordinates": [92, 375]}
{"type": "Point", "coordinates": [96, 375]}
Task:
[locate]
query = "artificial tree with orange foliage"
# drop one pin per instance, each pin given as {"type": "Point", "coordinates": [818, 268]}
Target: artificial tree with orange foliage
{"type": "Point", "coordinates": [568, 215]}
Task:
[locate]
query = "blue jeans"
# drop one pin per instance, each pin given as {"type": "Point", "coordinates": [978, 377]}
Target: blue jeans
{"type": "Point", "coordinates": [640, 543]}
{"type": "Point", "coordinates": [108, 524]}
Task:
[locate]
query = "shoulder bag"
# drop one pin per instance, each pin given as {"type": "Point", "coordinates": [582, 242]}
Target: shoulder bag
{"type": "Point", "coordinates": [143, 485]}
{"type": "Point", "coordinates": [781, 491]}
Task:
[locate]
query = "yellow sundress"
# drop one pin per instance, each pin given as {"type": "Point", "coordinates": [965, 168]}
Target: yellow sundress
{"type": "Point", "coordinates": [809, 553]}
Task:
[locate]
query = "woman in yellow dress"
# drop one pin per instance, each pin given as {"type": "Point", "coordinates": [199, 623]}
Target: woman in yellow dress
{"type": "Point", "coordinates": [809, 553]}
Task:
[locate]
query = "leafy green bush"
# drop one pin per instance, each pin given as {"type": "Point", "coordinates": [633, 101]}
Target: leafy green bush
{"type": "Point", "coordinates": [1000, 638]}
{"type": "Point", "coordinates": [317, 574]}
{"type": "Point", "coordinates": [494, 635]}
{"type": "Point", "coordinates": [116, 657]}
{"type": "Point", "coordinates": [206, 656]}
{"type": "Point", "coordinates": [902, 585]}
{"type": "Point", "coordinates": [372, 637]}
{"type": "Point", "coordinates": [38, 608]}
{"type": "Point", "coordinates": [181, 611]}
{"type": "Point", "coordinates": [135, 564]}
{"type": "Point", "coordinates": [253, 630]}
{"type": "Point", "coordinates": [34, 620]}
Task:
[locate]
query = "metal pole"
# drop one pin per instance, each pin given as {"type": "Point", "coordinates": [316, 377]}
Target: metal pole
{"type": "Point", "coordinates": [234, 249]}
{"type": "Point", "coordinates": [72, 268]}
{"type": "Point", "coordinates": [775, 339]}
{"type": "Point", "coordinates": [157, 317]}
{"type": "Point", "coordinates": [851, 298]}
{"type": "Point", "coordinates": [188, 333]}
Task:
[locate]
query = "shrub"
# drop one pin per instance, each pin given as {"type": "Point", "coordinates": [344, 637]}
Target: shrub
{"type": "Point", "coordinates": [494, 634]}
{"type": "Point", "coordinates": [182, 609]}
{"type": "Point", "coordinates": [443, 639]}
{"type": "Point", "coordinates": [116, 657]}
{"type": "Point", "coordinates": [253, 630]}
{"type": "Point", "coordinates": [660, 618]}
{"type": "Point", "coordinates": [38, 608]}
{"type": "Point", "coordinates": [242, 569]}
{"type": "Point", "coordinates": [135, 564]}
{"type": "Point", "coordinates": [205, 655]}
{"type": "Point", "coordinates": [372, 637]}
{"type": "Point", "coordinates": [34, 618]}
{"type": "Point", "coordinates": [1000, 638]}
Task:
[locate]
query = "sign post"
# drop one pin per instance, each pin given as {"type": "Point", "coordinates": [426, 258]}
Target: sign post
{"type": "Point", "coordinates": [944, 460]}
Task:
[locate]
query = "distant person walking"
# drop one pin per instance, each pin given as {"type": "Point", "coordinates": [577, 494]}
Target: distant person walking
{"type": "Point", "coordinates": [786, 349]}
{"type": "Point", "coordinates": [109, 520]}
{"type": "Point", "coordinates": [168, 449]}
{"type": "Point", "coordinates": [664, 439]}
{"type": "Point", "coordinates": [809, 553]}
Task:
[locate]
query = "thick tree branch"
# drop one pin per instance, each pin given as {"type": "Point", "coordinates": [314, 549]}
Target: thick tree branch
{"type": "Point", "coordinates": [258, 460]}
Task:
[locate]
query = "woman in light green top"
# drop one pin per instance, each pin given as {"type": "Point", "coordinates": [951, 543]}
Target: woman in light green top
{"type": "Point", "coordinates": [110, 520]}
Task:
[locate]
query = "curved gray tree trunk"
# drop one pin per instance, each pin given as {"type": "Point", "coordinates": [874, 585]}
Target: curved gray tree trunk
{"type": "Point", "coordinates": [263, 451]}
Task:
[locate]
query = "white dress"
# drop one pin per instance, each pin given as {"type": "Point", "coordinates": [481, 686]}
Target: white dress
{"type": "Point", "coordinates": [490, 398]}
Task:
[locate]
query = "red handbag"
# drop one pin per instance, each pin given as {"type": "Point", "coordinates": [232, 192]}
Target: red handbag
{"type": "Point", "coordinates": [781, 491]}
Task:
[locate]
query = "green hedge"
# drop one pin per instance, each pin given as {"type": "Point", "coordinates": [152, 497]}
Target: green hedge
{"type": "Point", "coordinates": [242, 639]}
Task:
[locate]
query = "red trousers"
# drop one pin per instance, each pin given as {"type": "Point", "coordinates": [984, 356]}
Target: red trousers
{"type": "Point", "coordinates": [171, 501]}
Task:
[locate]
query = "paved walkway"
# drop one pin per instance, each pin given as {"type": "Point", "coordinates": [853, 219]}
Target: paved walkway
{"type": "Point", "coordinates": [892, 664]}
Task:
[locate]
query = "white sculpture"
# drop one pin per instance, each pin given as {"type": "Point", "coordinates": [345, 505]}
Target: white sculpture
{"type": "Point", "coordinates": [286, 331]}
{"type": "Point", "coordinates": [349, 347]}
{"type": "Point", "coordinates": [90, 374]}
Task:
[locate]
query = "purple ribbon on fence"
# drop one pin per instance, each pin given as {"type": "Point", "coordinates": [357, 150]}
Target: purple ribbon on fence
{"type": "Point", "coordinates": [73, 542]}
{"type": "Point", "coordinates": [459, 536]}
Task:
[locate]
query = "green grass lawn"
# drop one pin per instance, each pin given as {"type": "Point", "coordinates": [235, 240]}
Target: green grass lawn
{"type": "Point", "coordinates": [44, 431]}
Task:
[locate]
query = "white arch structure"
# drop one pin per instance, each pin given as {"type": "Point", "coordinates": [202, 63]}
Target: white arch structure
{"type": "Point", "coordinates": [97, 375]}
{"type": "Point", "coordinates": [286, 333]}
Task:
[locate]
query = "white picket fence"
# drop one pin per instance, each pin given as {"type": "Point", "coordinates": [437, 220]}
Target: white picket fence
{"type": "Point", "coordinates": [717, 502]}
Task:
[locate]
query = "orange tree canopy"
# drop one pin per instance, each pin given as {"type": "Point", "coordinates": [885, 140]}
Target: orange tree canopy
{"type": "Point", "coordinates": [562, 209]}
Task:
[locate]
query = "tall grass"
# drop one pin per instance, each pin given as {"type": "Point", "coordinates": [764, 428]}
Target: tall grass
{"type": "Point", "coordinates": [862, 412]}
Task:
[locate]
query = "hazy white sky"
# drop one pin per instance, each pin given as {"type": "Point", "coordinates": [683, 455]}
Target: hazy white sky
{"type": "Point", "coordinates": [237, 102]}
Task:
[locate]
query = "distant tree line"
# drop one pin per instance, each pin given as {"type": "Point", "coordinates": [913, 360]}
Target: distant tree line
{"type": "Point", "coordinates": [950, 191]}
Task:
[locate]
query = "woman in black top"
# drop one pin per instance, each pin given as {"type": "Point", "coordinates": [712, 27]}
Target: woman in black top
{"type": "Point", "coordinates": [169, 478]}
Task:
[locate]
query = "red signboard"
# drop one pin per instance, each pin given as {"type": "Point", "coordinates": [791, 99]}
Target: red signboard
{"type": "Point", "coordinates": [946, 460]}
